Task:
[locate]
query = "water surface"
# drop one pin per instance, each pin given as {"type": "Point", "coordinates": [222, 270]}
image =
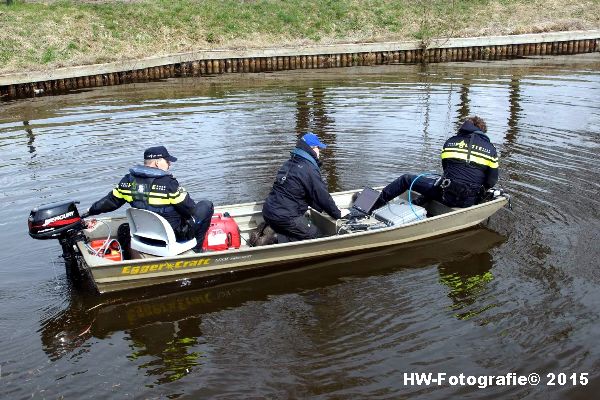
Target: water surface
{"type": "Point", "coordinates": [519, 295]}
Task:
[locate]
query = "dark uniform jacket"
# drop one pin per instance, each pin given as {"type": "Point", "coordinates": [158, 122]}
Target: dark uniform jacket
{"type": "Point", "coordinates": [150, 189]}
{"type": "Point", "coordinates": [297, 186]}
{"type": "Point", "coordinates": [470, 159]}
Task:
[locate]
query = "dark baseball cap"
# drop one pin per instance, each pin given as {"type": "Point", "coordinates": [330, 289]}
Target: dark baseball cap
{"type": "Point", "coordinates": [153, 153]}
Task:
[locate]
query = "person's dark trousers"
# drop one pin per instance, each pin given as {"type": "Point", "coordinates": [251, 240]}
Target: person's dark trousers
{"type": "Point", "coordinates": [294, 229]}
{"type": "Point", "coordinates": [203, 213]}
{"type": "Point", "coordinates": [199, 224]}
{"type": "Point", "coordinates": [425, 185]}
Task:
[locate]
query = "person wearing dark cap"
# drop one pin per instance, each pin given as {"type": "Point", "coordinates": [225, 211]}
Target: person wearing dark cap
{"type": "Point", "coordinates": [152, 187]}
{"type": "Point", "coordinates": [297, 186]}
{"type": "Point", "coordinates": [470, 164]}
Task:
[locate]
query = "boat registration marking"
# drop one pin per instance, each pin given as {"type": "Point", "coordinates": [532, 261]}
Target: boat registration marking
{"type": "Point", "coordinates": [233, 258]}
{"type": "Point", "coordinates": [169, 266]}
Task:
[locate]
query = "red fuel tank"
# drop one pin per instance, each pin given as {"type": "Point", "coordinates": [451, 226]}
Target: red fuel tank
{"type": "Point", "coordinates": [223, 233]}
{"type": "Point", "coordinates": [112, 251]}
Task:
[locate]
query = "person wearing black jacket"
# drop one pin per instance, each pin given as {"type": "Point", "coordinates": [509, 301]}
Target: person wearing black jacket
{"type": "Point", "coordinates": [470, 164]}
{"type": "Point", "coordinates": [297, 186]}
{"type": "Point", "coordinates": [152, 187]}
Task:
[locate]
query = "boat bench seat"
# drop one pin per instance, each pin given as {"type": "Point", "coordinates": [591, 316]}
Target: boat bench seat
{"type": "Point", "coordinates": [434, 207]}
{"type": "Point", "coordinates": [326, 224]}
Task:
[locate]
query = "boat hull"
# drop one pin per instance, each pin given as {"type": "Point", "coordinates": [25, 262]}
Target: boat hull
{"type": "Point", "coordinates": [214, 268]}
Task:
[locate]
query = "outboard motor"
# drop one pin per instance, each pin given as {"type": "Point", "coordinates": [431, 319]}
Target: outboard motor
{"type": "Point", "coordinates": [57, 221]}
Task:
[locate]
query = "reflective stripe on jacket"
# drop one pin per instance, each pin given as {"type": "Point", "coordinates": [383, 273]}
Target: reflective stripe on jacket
{"type": "Point", "coordinates": [150, 189]}
{"type": "Point", "coordinates": [470, 158]}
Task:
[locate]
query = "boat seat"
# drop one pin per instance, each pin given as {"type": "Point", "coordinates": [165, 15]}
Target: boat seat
{"type": "Point", "coordinates": [152, 234]}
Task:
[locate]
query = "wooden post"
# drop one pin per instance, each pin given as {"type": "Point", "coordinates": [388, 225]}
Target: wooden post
{"type": "Point", "coordinates": [586, 46]}
{"type": "Point", "coordinates": [426, 55]}
{"type": "Point", "coordinates": [451, 54]}
{"type": "Point", "coordinates": [195, 68]}
{"type": "Point", "coordinates": [364, 58]}
{"type": "Point", "coordinates": [402, 56]}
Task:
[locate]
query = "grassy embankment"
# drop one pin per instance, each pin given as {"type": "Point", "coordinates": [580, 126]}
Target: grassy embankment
{"type": "Point", "coordinates": [41, 35]}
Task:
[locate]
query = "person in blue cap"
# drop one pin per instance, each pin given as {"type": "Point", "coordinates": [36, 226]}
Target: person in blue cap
{"type": "Point", "coordinates": [152, 187]}
{"type": "Point", "coordinates": [470, 164]}
{"type": "Point", "coordinates": [297, 186]}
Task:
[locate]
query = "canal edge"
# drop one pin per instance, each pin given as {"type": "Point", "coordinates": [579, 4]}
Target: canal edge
{"type": "Point", "coordinates": [212, 62]}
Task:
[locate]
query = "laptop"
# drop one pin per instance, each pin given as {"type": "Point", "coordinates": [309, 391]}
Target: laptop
{"type": "Point", "coordinates": [364, 203]}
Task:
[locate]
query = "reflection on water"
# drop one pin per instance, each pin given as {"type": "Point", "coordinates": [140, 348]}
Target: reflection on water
{"type": "Point", "coordinates": [520, 296]}
{"type": "Point", "coordinates": [31, 138]}
{"type": "Point", "coordinates": [169, 346]}
{"type": "Point", "coordinates": [466, 279]}
{"type": "Point", "coordinates": [167, 327]}
{"type": "Point", "coordinates": [312, 116]}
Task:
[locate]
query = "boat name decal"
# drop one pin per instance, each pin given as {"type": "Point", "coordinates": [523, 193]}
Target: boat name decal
{"type": "Point", "coordinates": [164, 266]}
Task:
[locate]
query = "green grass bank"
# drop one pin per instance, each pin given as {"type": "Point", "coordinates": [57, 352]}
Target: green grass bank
{"type": "Point", "coordinates": [42, 35]}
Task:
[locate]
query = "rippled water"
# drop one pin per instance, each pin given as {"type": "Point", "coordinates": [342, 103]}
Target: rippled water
{"type": "Point", "coordinates": [521, 295]}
